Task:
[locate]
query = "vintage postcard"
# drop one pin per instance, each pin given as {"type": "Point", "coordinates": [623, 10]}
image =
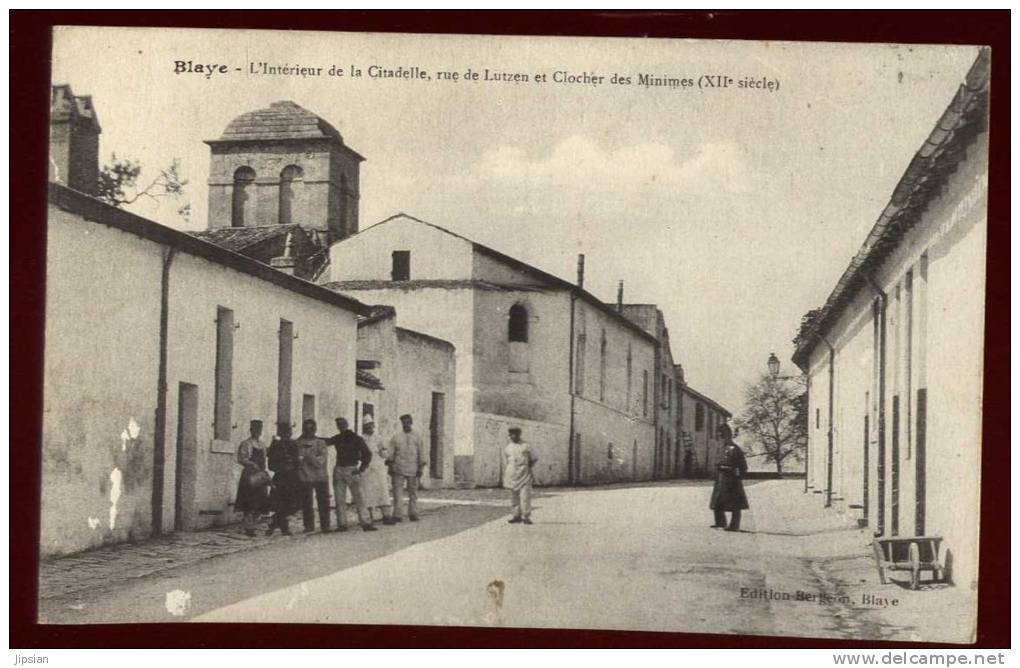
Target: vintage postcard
{"type": "Point", "coordinates": [532, 332]}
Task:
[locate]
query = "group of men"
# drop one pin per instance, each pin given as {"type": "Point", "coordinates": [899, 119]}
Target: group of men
{"type": "Point", "coordinates": [301, 477]}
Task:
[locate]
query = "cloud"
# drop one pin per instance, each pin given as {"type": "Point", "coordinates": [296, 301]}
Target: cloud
{"type": "Point", "coordinates": [577, 162]}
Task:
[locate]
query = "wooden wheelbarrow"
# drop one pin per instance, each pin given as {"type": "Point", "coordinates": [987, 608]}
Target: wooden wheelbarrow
{"type": "Point", "coordinates": [908, 553]}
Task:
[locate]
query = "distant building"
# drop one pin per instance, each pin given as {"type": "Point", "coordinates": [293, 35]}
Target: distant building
{"type": "Point", "coordinates": [894, 358]}
{"type": "Point", "coordinates": [403, 371]}
{"type": "Point", "coordinates": [533, 350]}
{"type": "Point", "coordinates": [667, 461]}
{"type": "Point", "coordinates": [160, 348]}
{"type": "Point", "coordinates": [699, 419]}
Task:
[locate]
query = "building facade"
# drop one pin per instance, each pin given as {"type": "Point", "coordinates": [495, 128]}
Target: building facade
{"type": "Point", "coordinates": [156, 360]}
{"type": "Point", "coordinates": [699, 418]}
{"type": "Point", "coordinates": [668, 458]}
{"type": "Point", "coordinates": [894, 358]}
{"type": "Point", "coordinates": [402, 371]}
{"type": "Point", "coordinates": [532, 350]}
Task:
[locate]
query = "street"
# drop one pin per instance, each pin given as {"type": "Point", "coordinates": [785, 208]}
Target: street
{"type": "Point", "coordinates": [638, 557]}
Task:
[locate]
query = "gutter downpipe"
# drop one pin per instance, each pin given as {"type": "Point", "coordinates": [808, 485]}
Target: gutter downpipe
{"type": "Point", "coordinates": [832, 394]}
{"type": "Point", "coordinates": [880, 463]}
{"type": "Point", "coordinates": [807, 450]}
{"type": "Point", "coordinates": [571, 465]}
{"type": "Point", "coordinates": [159, 429]}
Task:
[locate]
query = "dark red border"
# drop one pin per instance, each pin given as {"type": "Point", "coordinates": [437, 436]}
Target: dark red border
{"type": "Point", "coordinates": [29, 95]}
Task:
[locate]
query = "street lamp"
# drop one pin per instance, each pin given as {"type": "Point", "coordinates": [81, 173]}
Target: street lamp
{"type": "Point", "coordinates": [773, 365]}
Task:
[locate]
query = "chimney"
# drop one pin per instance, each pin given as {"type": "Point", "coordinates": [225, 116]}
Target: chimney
{"type": "Point", "coordinates": [285, 262]}
{"type": "Point", "coordinates": [619, 297]}
{"type": "Point", "coordinates": [580, 270]}
{"type": "Point", "coordinates": [74, 140]}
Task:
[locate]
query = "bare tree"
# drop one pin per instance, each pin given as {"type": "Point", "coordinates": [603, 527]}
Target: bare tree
{"type": "Point", "coordinates": [118, 184]}
{"type": "Point", "coordinates": [775, 418]}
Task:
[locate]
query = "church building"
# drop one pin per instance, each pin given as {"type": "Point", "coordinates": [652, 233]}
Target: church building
{"type": "Point", "coordinates": [282, 173]}
{"type": "Point", "coordinates": [283, 186]}
{"type": "Point", "coordinates": [533, 351]}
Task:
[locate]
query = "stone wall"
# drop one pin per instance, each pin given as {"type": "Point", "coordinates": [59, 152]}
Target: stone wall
{"type": "Point", "coordinates": [100, 376]}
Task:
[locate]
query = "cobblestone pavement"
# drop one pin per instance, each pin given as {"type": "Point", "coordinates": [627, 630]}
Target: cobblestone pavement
{"type": "Point", "coordinates": [110, 565]}
{"type": "Point", "coordinates": [124, 562]}
{"type": "Point", "coordinates": [622, 556]}
{"type": "Point", "coordinates": [130, 561]}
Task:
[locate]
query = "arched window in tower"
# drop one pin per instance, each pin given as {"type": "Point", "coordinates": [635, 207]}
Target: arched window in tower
{"type": "Point", "coordinates": [244, 180]}
{"type": "Point", "coordinates": [290, 183]}
{"type": "Point", "coordinates": [345, 229]}
{"type": "Point", "coordinates": [517, 335]}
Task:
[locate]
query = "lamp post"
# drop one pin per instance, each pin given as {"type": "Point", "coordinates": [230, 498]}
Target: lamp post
{"type": "Point", "coordinates": [773, 365]}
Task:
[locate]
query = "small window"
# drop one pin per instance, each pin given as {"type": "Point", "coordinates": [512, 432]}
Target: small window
{"type": "Point", "coordinates": [699, 417]}
{"type": "Point", "coordinates": [582, 344]}
{"type": "Point", "coordinates": [818, 418]}
{"type": "Point", "coordinates": [630, 376]}
{"type": "Point", "coordinates": [517, 334]}
{"type": "Point", "coordinates": [518, 325]}
{"type": "Point", "coordinates": [308, 407]}
{"type": "Point", "coordinates": [644, 392]}
{"type": "Point", "coordinates": [401, 265]}
{"type": "Point", "coordinates": [602, 367]}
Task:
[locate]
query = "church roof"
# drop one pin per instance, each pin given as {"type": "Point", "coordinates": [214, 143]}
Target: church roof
{"type": "Point", "coordinates": [280, 120]}
{"type": "Point", "coordinates": [239, 238]}
{"type": "Point", "coordinates": [265, 242]}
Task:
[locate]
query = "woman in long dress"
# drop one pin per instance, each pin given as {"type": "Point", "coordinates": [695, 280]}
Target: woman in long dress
{"type": "Point", "coordinates": [252, 499]}
{"type": "Point", "coordinates": [375, 479]}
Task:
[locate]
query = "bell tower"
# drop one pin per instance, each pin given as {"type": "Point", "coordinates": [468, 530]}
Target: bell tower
{"type": "Point", "coordinates": [283, 165]}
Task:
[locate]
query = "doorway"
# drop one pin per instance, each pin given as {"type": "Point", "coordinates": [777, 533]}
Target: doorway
{"type": "Point", "coordinates": [185, 471]}
{"type": "Point", "coordinates": [436, 435]}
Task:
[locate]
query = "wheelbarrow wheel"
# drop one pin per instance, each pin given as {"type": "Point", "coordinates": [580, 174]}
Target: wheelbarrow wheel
{"type": "Point", "coordinates": [915, 566]}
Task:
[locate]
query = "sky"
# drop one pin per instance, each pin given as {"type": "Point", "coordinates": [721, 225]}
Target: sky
{"type": "Point", "coordinates": [735, 210]}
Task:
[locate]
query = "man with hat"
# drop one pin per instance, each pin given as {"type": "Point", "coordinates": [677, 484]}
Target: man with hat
{"type": "Point", "coordinates": [285, 494]}
{"type": "Point", "coordinates": [518, 476]}
{"type": "Point", "coordinates": [728, 492]}
{"type": "Point", "coordinates": [313, 458]}
{"type": "Point", "coordinates": [407, 463]}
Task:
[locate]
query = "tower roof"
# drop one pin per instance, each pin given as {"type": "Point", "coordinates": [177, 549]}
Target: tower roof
{"type": "Point", "coordinates": [280, 120]}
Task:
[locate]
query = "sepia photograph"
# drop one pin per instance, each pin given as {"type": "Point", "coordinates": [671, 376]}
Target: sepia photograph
{"type": "Point", "coordinates": [526, 332]}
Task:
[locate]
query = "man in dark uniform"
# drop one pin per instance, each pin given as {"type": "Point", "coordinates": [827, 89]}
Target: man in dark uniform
{"type": "Point", "coordinates": [286, 490]}
{"type": "Point", "coordinates": [728, 492]}
{"type": "Point", "coordinates": [313, 458]}
{"type": "Point", "coordinates": [352, 459]}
